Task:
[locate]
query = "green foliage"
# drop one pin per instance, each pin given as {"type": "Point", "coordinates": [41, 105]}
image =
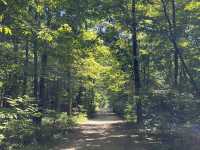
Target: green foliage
{"type": "Point", "coordinates": [129, 112]}
{"type": "Point", "coordinates": [65, 28]}
{"type": "Point", "coordinates": [16, 125]}
{"type": "Point", "coordinates": [89, 35]}
{"type": "Point", "coordinates": [21, 107]}
{"type": "Point", "coordinates": [192, 6]}
{"type": "Point", "coordinates": [46, 34]}
{"type": "Point", "coordinates": [5, 30]}
{"type": "Point", "coordinates": [166, 110]}
{"type": "Point", "coordinates": [19, 131]}
{"type": "Point", "coordinates": [75, 57]}
{"type": "Point", "coordinates": [65, 120]}
{"type": "Point", "coordinates": [79, 118]}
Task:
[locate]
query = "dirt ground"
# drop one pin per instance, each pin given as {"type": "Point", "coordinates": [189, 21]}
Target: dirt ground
{"type": "Point", "coordinates": [108, 132]}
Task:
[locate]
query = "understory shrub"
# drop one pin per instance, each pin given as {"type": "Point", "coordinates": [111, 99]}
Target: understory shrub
{"type": "Point", "coordinates": [165, 110]}
{"type": "Point", "coordinates": [16, 122]}
{"type": "Point", "coordinates": [129, 112]}
{"type": "Point", "coordinates": [17, 129]}
{"type": "Point", "coordinates": [119, 103]}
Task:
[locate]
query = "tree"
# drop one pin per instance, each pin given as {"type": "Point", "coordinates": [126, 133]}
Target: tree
{"type": "Point", "coordinates": [172, 31]}
{"type": "Point", "coordinates": [136, 65]}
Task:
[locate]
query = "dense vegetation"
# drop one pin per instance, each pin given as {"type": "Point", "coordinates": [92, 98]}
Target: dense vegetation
{"type": "Point", "coordinates": [62, 60]}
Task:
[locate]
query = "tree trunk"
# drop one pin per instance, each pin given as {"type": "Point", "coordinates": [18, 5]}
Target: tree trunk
{"type": "Point", "coordinates": [14, 91]}
{"type": "Point", "coordinates": [35, 53]}
{"type": "Point", "coordinates": [176, 48]}
{"type": "Point", "coordinates": [176, 58]}
{"type": "Point", "coordinates": [136, 65]}
{"type": "Point", "coordinates": [26, 67]}
{"type": "Point", "coordinates": [44, 58]}
{"type": "Point", "coordinates": [16, 48]}
{"type": "Point", "coordinates": [70, 92]}
{"type": "Point", "coordinates": [42, 93]}
{"type": "Point", "coordinates": [36, 120]}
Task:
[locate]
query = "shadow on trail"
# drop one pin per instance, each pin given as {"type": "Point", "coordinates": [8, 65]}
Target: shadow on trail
{"type": "Point", "coordinates": [108, 132]}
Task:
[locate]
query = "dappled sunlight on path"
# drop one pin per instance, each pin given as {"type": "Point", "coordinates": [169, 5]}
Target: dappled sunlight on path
{"type": "Point", "coordinates": [108, 132]}
{"type": "Point", "coordinates": [104, 118]}
{"type": "Point", "coordinates": [105, 132]}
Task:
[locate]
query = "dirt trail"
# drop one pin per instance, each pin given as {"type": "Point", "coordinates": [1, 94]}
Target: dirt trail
{"type": "Point", "coordinates": [108, 132]}
{"type": "Point", "coordinates": [105, 132]}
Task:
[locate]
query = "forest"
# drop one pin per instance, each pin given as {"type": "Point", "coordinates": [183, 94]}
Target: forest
{"type": "Point", "coordinates": [68, 67]}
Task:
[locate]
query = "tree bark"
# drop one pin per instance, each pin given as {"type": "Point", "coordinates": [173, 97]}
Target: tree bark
{"type": "Point", "coordinates": [136, 65]}
{"type": "Point", "coordinates": [176, 58]}
{"type": "Point", "coordinates": [35, 53]}
{"type": "Point", "coordinates": [44, 59]}
{"type": "Point", "coordinates": [36, 119]}
{"type": "Point", "coordinates": [69, 92]}
{"type": "Point", "coordinates": [42, 95]}
{"type": "Point", "coordinates": [26, 67]}
{"type": "Point", "coordinates": [14, 90]}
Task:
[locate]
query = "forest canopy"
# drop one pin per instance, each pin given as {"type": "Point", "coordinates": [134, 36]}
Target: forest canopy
{"type": "Point", "coordinates": [62, 61]}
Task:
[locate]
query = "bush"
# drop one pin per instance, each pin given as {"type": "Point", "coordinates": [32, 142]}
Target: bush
{"type": "Point", "coordinates": [165, 110]}
{"type": "Point", "coordinates": [91, 111]}
{"type": "Point", "coordinates": [129, 112]}
{"type": "Point", "coordinates": [64, 121]}
{"type": "Point", "coordinates": [79, 118]}
{"type": "Point", "coordinates": [16, 122]}
{"type": "Point", "coordinates": [18, 130]}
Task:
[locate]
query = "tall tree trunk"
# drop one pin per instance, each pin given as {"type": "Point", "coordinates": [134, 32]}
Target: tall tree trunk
{"type": "Point", "coordinates": [26, 67]}
{"type": "Point", "coordinates": [36, 120]}
{"type": "Point", "coordinates": [176, 58]}
{"type": "Point", "coordinates": [148, 73]}
{"type": "Point", "coordinates": [42, 94]}
{"type": "Point", "coordinates": [136, 65]}
{"type": "Point", "coordinates": [15, 86]}
{"type": "Point", "coordinates": [44, 58]}
{"type": "Point", "coordinates": [35, 53]}
{"type": "Point", "coordinates": [70, 92]}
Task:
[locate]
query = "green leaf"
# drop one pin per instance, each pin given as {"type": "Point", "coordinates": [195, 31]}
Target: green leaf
{"type": "Point", "coordinates": [192, 6]}
{"type": "Point", "coordinates": [89, 35]}
{"type": "Point", "coordinates": [5, 30]}
{"type": "Point", "coordinates": [65, 28]}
